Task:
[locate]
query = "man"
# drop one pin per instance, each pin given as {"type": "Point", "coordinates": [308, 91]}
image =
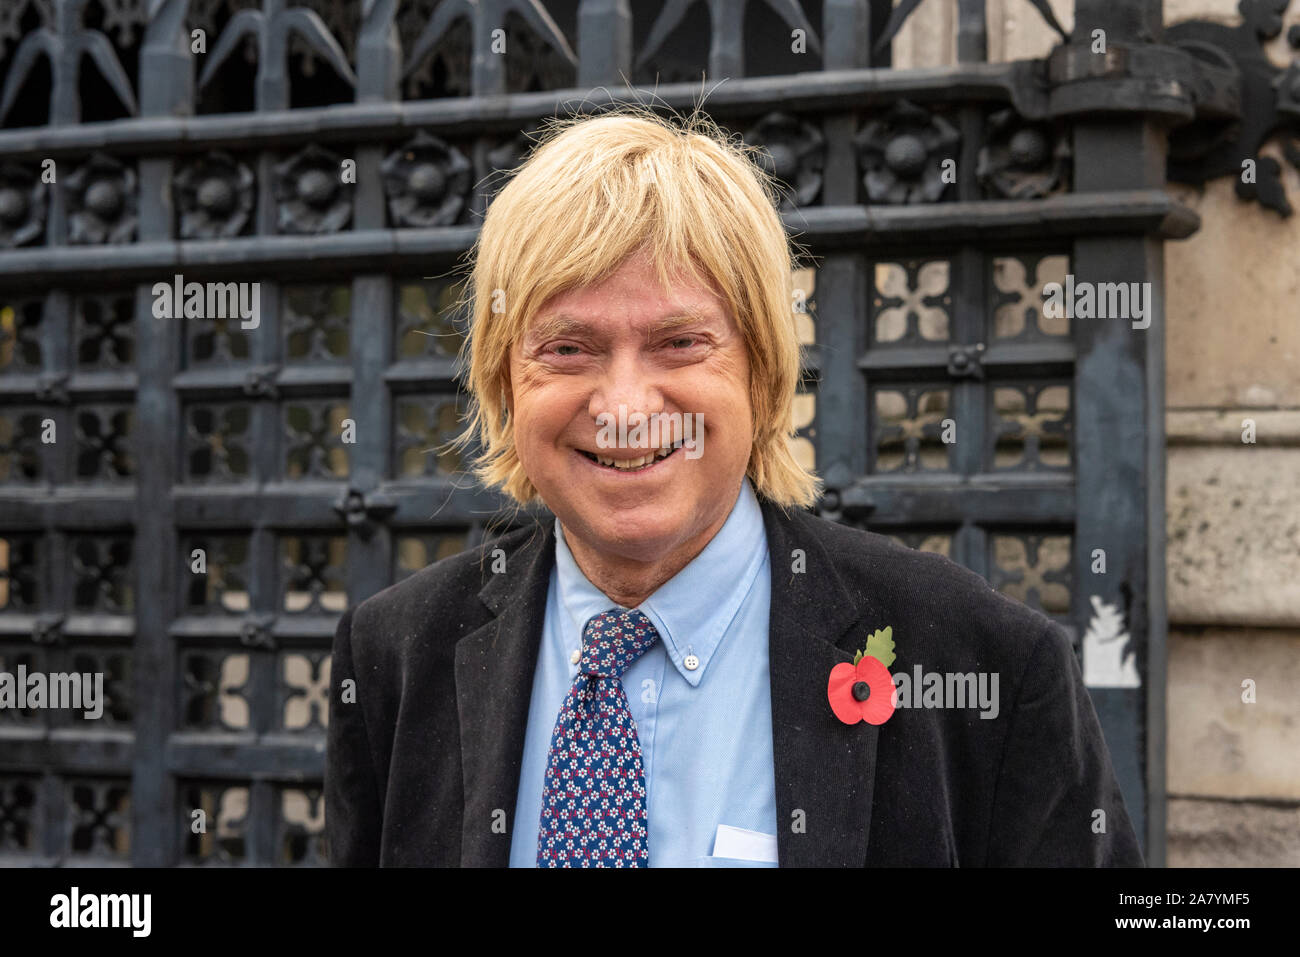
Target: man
{"type": "Point", "coordinates": [684, 667]}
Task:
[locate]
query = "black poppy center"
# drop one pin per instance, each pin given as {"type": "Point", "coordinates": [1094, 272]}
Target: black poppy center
{"type": "Point", "coordinates": [861, 691]}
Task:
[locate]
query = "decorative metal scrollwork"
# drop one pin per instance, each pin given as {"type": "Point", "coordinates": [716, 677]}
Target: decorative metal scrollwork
{"type": "Point", "coordinates": [1220, 145]}
{"type": "Point", "coordinates": [215, 197]}
{"type": "Point", "coordinates": [965, 362]}
{"type": "Point", "coordinates": [255, 631]}
{"type": "Point", "coordinates": [65, 45]}
{"type": "Point", "coordinates": [842, 497]}
{"type": "Point", "coordinates": [104, 442]}
{"type": "Point", "coordinates": [47, 629]}
{"type": "Point", "coordinates": [101, 202]}
{"type": "Point", "coordinates": [273, 32]}
{"type": "Point", "coordinates": [903, 154]}
{"type": "Point", "coordinates": [794, 152]}
{"type": "Point", "coordinates": [311, 194]}
{"type": "Point", "coordinates": [52, 388]}
{"type": "Point", "coordinates": [259, 383]}
{"type": "Point", "coordinates": [727, 17]}
{"type": "Point", "coordinates": [361, 511]}
{"type": "Point", "coordinates": [1022, 159]}
{"type": "Point", "coordinates": [905, 8]}
{"type": "Point", "coordinates": [22, 205]}
{"type": "Point", "coordinates": [426, 182]}
{"type": "Point", "coordinates": [486, 16]}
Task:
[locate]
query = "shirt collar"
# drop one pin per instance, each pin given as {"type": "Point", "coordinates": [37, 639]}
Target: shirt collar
{"type": "Point", "coordinates": [694, 608]}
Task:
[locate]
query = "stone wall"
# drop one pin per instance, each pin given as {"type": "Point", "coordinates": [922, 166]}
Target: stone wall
{"type": "Point", "coordinates": [1233, 518]}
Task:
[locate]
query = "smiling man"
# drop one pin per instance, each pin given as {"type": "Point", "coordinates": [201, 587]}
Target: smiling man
{"type": "Point", "coordinates": [684, 667]}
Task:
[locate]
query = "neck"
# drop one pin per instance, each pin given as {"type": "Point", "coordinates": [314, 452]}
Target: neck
{"type": "Point", "coordinates": [629, 582]}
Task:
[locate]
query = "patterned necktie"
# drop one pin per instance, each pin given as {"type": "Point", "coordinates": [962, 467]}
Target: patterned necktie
{"type": "Point", "coordinates": [593, 802]}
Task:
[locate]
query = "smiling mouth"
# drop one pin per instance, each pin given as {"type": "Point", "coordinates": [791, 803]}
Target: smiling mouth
{"type": "Point", "coordinates": [632, 465]}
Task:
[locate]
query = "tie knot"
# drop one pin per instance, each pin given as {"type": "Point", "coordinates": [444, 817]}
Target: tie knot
{"type": "Point", "coordinates": [613, 640]}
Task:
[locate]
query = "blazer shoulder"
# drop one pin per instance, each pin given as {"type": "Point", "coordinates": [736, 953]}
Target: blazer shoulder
{"type": "Point", "coordinates": [913, 585]}
{"type": "Point", "coordinates": [445, 593]}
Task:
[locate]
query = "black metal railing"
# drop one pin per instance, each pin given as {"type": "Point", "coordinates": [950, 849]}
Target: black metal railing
{"type": "Point", "coordinates": [216, 493]}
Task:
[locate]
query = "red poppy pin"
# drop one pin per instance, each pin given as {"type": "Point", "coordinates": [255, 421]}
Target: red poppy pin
{"type": "Point", "coordinates": [864, 690]}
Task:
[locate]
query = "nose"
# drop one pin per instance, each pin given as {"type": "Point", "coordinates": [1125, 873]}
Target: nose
{"type": "Point", "coordinates": [626, 386]}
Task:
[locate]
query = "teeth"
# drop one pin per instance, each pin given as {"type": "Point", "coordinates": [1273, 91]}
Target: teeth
{"type": "Point", "coordinates": [630, 464]}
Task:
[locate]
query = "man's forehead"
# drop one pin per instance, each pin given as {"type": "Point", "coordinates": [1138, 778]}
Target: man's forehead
{"type": "Point", "coordinates": [558, 323]}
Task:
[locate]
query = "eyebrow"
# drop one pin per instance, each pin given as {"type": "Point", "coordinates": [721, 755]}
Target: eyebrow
{"type": "Point", "coordinates": [564, 325]}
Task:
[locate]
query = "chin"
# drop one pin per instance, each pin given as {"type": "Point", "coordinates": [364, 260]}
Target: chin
{"type": "Point", "coordinates": [643, 532]}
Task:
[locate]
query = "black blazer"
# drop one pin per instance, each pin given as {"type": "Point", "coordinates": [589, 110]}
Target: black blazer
{"type": "Point", "coordinates": [423, 768]}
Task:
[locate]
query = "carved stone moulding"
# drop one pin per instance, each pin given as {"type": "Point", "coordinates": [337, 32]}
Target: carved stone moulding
{"type": "Point", "coordinates": [903, 152]}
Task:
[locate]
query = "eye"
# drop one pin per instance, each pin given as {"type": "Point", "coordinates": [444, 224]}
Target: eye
{"type": "Point", "coordinates": [559, 349]}
{"type": "Point", "coordinates": [683, 342]}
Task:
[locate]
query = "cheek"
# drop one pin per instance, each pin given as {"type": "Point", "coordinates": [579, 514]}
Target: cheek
{"type": "Point", "coordinates": [735, 408]}
{"type": "Point", "coordinates": [528, 395]}
{"type": "Point", "coordinates": [543, 415]}
{"type": "Point", "coordinates": [740, 424]}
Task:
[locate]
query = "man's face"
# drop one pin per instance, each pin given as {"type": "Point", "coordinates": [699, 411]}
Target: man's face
{"type": "Point", "coordinates": [623, 342]}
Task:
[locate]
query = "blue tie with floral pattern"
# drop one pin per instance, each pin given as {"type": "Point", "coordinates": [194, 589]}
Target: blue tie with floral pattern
{"type": "Point", "coordinates": [594, 798]}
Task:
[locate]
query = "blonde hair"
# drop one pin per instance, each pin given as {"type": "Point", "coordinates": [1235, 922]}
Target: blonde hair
{"type": "Point", "coordinates": [595, 190]}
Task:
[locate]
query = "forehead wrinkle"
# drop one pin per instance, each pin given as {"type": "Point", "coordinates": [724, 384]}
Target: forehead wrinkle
{"type": "Point", "coordinates": [562, 324]}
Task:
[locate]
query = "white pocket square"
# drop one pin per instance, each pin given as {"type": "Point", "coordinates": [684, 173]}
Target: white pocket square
{"type": "Point", "coordinates": [740, 844]}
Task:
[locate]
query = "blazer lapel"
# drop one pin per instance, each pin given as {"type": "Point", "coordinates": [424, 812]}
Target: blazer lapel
{"type": "Point", "coordinates": [494, 682]}
{"type": "Point", "coordinates": [825, 769]}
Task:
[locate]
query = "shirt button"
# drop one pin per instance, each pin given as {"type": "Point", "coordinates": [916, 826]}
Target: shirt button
{"type": "Point", "coordinates": [691, 662]}
{"type": "Point", "coordinates": [575, 657]}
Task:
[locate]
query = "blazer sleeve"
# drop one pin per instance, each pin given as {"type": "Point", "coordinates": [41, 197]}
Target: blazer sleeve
{"type": "Point", "coordinates": [1056, 773]}
{"type": "Point", "coordinates": [353, 817]}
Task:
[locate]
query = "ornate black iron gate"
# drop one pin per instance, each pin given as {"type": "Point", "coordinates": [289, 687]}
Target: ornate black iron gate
{"type": "Point", "coordinates": [189, 502]}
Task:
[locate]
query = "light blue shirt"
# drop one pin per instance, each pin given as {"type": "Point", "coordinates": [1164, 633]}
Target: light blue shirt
{"type": "Point", "coordinates": [706, 734]}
